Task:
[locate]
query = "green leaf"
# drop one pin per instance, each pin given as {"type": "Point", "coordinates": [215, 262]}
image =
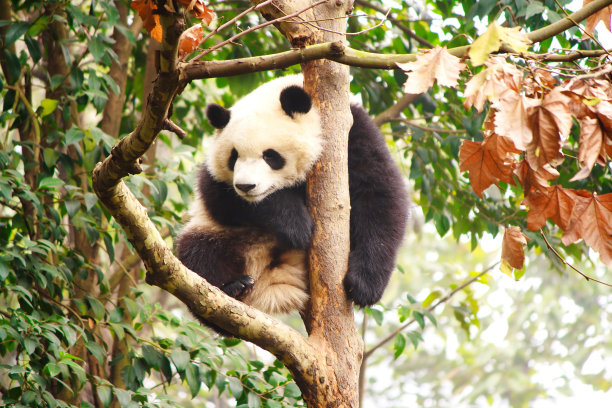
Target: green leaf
{"type": "Point", "coordinates": [180, 358]}
{"type": "Point", "coordinates": [254, 401]}
{"type": "Point", "coordinates": [33, 48]}
{"type": "Point", "coordinates": [377, 314]}
{"type": "Point", "coordinates": [73, 136]}
{"type": "Point", "coordinates": [292, 391]}
{"type": "Point", "coordinates": [48, 106]}
{"type": "Point", "coordinates": [51, 369]}
{"type": "Point", "coordinates": [72, 206]}
{"type": "Point", "coordinates": [193, 379]}
{"type": "Point", "coordinates": [96, 46]}
{"type": "Point", "coordinates": [420, 319]}
{"type": "Point", "coordinates": [14, 32]}
{"type": "Point", "coordinates": [105, 394]}
{"type": "Point", "coordinates": [90, 200]}
{"type": "Point", "coordinates": [97, 308]}
{"type": "Point", "coordinates": [97, 351]}
{"type": "Point", "coordinates": [50, 183]}
{"type": "Point", "coordinates": [151, 355]}
{"type": "Point", "coordinates": [431, 297]}
{"type": "Point", "coordinates": [399, 344]}
{"type": "Point", "coordinates": [124, 397]}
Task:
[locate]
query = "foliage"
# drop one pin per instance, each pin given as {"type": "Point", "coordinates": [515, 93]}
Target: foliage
{"type": "Point", "coordinates": [79, 328]}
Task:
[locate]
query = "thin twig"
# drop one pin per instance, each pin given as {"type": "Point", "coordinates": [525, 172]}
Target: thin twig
{"type": "Point", "coordinates": [250, 30]}
{"type": "Point", "coordinates": [585, 276]}
{"type": "Point", "coordinates": [580, 28]}
{"type": "Point", "coordinates": [233, 20]}
{"type": "Point", "coordinates": [398, 23]}
{"type": "Point", "coordinates": [318, 27]}
{"type": "Point", "coordinates": [174, 128]}
{"type": "Point", "coordinates": [429, 309]}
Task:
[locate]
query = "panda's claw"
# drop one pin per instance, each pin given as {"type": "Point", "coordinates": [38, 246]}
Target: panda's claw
{"type": "Point", "coordinates": [238, 288]}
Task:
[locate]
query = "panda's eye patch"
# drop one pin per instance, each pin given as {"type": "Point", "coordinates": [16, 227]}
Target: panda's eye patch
{"type": "Point", "coordinates": [231, 162]}
{"type": "Point", "coordinates": [274, 159]}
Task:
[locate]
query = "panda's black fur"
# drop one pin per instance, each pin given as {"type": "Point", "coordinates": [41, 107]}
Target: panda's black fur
{"type": "Point", "coordinates": [238, 241]}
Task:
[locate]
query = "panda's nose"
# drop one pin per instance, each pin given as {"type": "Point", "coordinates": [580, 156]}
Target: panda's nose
{"type": "Point", "coordinates": [245, 187]}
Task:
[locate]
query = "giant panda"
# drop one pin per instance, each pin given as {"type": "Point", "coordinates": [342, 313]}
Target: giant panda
{"type": "Point", "coordinates": [249, 228]}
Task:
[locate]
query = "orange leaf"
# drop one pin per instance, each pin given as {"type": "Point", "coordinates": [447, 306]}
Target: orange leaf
{"type": "Point", "coordinates": [512, 247]}
{"type": "Point", "coordinates": [533, 181]}
{"type": "Point", "coordinates": [433, 65]}
{"type": "Point", "coordinates": [190, 40]}
{"type": "Point", "coordinates": [551, 124]}
{"type": "Point", "coordinates": [488, 162]}
{"type": "Point", "coordinates": [591, 143]}
{"type": "Point", "coordinates": [512, 118]}
{"type": "Point", "coordinates": [151, 21]}
{"type": "Point", "coordinates": [594, 19]}
{"type": "Point", "coordinates": [592, 221]}
{"type": "Point", "coordinates": [198, 10]}
{"type": "Point", "coordinates": [556, 203]}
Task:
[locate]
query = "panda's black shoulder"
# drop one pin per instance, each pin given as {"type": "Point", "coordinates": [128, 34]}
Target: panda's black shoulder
{"type": "Point", "coordinates": [364, 130]}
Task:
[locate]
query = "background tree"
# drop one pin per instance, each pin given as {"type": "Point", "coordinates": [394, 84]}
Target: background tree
{"type": "Point", "coordinates": [78, 329]}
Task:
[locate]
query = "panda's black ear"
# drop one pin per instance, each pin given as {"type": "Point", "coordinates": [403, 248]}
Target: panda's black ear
{"type": "Point", "coordinates": [217, 115]}
{"type": "Point", "coordinates": [294, 99]}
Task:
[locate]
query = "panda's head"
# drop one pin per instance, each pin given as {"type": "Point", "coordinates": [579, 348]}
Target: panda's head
{"type": "Point", "coordinates": [267, 141]}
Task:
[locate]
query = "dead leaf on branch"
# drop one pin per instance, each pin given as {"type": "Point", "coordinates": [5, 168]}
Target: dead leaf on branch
{"type": "Point", "coordinates": [199, 10]}
{"type": "Point", "coordinates": [603, 15]}
{"type": "Point", "coordinates": [550, 124]}
{"type": "Point", "coordinates": [590, 146]}
{"type": "Point", "coordinates": [556, 203]}
{"type": "Point", "coordinates": [535, 180]}
{"type": "Point", "coordinates": [146, 11]}
{"type": "Point", "coordinates": [433, 65]}
{"type": "Point", "coordinates": [512, 247]}
{"type": "Point", "coordinates": [190, 40]}
{"type": "Point", "coordinates": [492, 83]}
{"type": "Point", "coordinates": [513, 118]}
{"type": "Point", "coordinates": [485, 164]}
{"type": "Point", "coordinates": [591, 221]}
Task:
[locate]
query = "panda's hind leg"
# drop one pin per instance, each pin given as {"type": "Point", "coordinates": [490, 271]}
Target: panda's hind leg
{"type": "Point", "coordinates": [216, 257]}
{"type": "Point", "coordinates": [283, 286]}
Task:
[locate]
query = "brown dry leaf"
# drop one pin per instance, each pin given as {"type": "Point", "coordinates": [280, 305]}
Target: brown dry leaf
{"type": "Point", "coordinates": [433, 65]}
{"type": "Point", "coordinates": [190, 40]}
{"type": "Point", "coordinates": [592, 221]}
{"type": "Point", "coordinates": [512, 247]}
{"type": "Point", "coordinates": [590, 146]}
{"type": "Point", "coordinates": [198, 10]}
{"type": "Point", "coordinates": [535, 181]}
{"type": "Point", "coordinates": [551, 124]}
{"type": "Point", "coordinates": [151, 21]}
{"type": "Point", "coordinates": [556, 203]}
{"type": "Point", "coordinates": [512, 118]}
{"type": "Point", "coordinates": [592, 21]}
{"type": "Point", "coordinates": [492, 83]}
{"type": "Point", "coordinates": [487, 162]}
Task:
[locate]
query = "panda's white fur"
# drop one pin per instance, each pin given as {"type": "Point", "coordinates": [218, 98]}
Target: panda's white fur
{"type": "Point", "coordinates": [251, 131]}
{"type": "Point", "coordinates": [249, 227]}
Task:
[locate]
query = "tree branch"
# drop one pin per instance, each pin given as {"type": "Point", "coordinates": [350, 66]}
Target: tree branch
{"type": "Point", "coordinates": [338, 52]}
{"type": "Point", "coordinates": [163, 268]}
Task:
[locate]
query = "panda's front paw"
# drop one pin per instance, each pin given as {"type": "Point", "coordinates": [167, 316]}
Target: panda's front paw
{"type": "Point", "coordinates": [361, 283]}
{"type": "Point", "coordinates": [238, 288]}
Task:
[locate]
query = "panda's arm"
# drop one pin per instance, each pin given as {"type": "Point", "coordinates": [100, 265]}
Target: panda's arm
{"type": "Point", "coordinates": [284, 213]}
{"type": "Point", "coordinates": [379, 212]}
